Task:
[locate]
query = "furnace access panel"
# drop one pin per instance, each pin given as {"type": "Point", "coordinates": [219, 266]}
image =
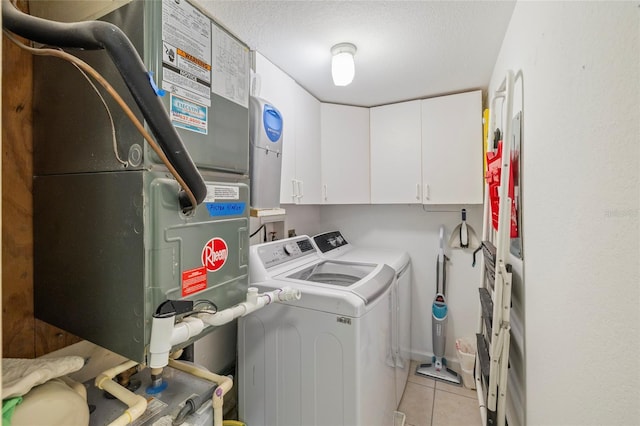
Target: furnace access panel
{"type": "Point", "coordinates": [110, 240]}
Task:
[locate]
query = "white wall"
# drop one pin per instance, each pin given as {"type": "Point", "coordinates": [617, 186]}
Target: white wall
{"type": "Point", "coordinates": [415, 230]}
{"type": "Point", "coordinates": [581, 199]}
{"type": "Point", "coordinates": [305, 220]}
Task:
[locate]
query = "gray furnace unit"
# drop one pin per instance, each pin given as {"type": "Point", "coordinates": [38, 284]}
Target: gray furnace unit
{"type": "Point", "coordinates": [112, 241]}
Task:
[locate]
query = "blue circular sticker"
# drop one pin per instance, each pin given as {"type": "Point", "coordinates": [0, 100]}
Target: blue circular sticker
{"type": "Point", "coordinates": [272, 121]}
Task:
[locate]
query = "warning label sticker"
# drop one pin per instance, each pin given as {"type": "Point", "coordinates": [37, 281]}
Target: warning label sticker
{"type": "Point", "coordinates": [194, 280]}
{"type": "Point", "coordinates": [186, 51]}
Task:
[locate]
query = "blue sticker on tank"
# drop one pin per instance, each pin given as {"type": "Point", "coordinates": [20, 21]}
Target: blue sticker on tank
{"type": "Point", "coordinates": [272, 121]}
{"type": "Point", "coordinates": [225, 209]}
{"type": "Point", "coordinates": [189, 115]}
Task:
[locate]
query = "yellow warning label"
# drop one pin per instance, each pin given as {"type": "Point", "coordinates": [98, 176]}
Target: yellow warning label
{"type": "Point", "coordinates": [193, 59]}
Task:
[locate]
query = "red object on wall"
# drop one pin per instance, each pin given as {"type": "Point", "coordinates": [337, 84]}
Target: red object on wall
{"type": "Point", "coordinates": [492, 177]}
{"type": "Point", "coordinates": [194, 280]}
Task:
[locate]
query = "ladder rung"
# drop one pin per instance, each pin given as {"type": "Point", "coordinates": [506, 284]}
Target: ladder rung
{"type": "Point", "coordinates": [489, 253]}
{"type": "Point", "coordinates": [487, 308]}
{"type": "Point", "coordinates": [492, 418]}
{"type": "Point", "coordinates": [483, 355]}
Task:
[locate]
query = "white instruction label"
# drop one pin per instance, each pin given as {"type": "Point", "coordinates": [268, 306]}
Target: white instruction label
{"type": "Point", "coordinates": [230, 68]}
{"type": "Point", "coordinates": [186, 51]}
{"type": "Point", "coordinates": [219, 192]}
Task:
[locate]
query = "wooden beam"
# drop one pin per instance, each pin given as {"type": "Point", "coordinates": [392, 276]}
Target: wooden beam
{"type": "Point", "coordinates": [19, 337]}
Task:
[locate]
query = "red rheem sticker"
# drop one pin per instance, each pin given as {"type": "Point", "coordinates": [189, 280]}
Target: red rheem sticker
{"type": "Point", "coordinates": [214, 254]}
{"type": "Point", "coordinates": [194, 280]}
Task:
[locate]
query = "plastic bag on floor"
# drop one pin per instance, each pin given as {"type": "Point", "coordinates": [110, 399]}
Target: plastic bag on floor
{"type": "Point", "coordinates": [466, 349]}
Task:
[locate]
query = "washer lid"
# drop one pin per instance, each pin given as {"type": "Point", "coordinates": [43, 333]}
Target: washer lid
{"type": "Point", "coordinates": [335, 273]}
{"type": "Point", "coordinates": [366, 280]}
{"type": "Point", "coordinates": [354, 301]}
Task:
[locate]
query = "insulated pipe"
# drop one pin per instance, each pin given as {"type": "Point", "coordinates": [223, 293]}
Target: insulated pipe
{"type": "Point", "coordinates": [224, 385]}
{"type": "Point", "coordinates": [97, 35]}
{"type": "Point", "coordinates": [136, 403]}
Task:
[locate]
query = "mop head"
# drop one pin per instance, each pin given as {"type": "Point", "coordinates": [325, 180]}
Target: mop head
{"type": "Point", "coordinates": [444, 374]}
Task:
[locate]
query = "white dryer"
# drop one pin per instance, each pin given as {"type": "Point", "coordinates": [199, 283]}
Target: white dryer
{"type": "Point", "coordinates": [324, 359]}
{"type": "Point", "coordinates": [333, 245]}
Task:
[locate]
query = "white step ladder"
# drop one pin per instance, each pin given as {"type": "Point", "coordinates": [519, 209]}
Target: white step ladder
{"type": "Point", "coordinates": [494, 328]}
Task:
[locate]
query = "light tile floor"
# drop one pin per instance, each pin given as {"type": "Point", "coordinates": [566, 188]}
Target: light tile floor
{"type": "Point", "coordinates": [428, 402]}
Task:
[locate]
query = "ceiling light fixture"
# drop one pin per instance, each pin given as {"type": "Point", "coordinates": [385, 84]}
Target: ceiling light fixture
{"type": "Point", "coordinates": [342, 65]}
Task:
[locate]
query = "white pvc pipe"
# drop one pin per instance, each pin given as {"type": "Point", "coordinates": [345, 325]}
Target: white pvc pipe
{"type": "Point", "coordinates": [160, 343]}
{"type": "Point", "coordinates": [136, 403]}
{"type": "Point", "coordinates": [254, 302]}
{"type": "Point", "coordinates": [186, 329]}
{"type": "Point", "coordinates": [165, 333]}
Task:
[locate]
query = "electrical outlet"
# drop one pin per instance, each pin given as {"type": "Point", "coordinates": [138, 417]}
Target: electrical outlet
{"type": "Point", "coordinates": [291, 233]}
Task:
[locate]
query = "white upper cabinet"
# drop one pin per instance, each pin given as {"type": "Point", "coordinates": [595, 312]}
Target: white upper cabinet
{"type": "Point", "coordinates": [277, 88]}
{"type": "Point", "coordinates": [452, 149]}
{"type": "Point", "coordinates": [396, 150]}
{"type": "Point", "coordinates": [300, 178]}
{"type": "Point", "coordinates": [345, 154]}
{"type": "Point", "coordinates": [425, 151]}
{"type": "Point", "coordinates": [307, 147]}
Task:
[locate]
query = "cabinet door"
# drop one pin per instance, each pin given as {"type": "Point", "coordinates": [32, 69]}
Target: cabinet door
{"type": "Point", "coordinates": [345, 154]}
{"type": "Point", "coordinates": [307, 147]}
{"type": "Point", "coordinates": [452, 149]}
{"type": "Point", "coordinates": [279, 89]}
{"type": "Point", "coordinates": [396, 175]}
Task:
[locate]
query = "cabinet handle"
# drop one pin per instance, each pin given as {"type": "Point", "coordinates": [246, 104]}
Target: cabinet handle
{"type": "Point", "coordinates": [294, 194]}
{"type": "Point", "coordinates": [300, 189]}
{"type": "Point", "coordinates": [427, 192]}
{"type": "Point", "coordinates": [324, 191]}
{"type": "Point", "coordinates": [417, 191]}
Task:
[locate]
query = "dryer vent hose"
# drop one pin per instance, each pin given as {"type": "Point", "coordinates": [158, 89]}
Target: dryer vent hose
{"type": "Point", "coordinates": [97, 35]}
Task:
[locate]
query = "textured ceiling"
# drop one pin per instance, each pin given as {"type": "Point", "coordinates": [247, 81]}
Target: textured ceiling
{"type": "Point", "coordinates": [406, 49]}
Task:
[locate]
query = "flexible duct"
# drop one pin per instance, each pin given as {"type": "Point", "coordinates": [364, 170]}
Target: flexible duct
{"type": "Point", "coordinates": [97, 35]}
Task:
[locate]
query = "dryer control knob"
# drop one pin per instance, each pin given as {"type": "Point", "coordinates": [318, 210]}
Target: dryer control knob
{"type": "Point", "coordinates": [289, 248]}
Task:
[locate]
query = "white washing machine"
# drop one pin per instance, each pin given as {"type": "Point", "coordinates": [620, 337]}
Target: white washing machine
{"type": "Point", "coordinates": [322, 360]}
{"type": "Point", "coordinates": [333, 245]}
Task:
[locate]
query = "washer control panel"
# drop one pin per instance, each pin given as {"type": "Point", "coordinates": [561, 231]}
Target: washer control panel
{"type": "Point", "coordinates": [279, 252]}
{"type": "Point", "coordinates": [329, 241]}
